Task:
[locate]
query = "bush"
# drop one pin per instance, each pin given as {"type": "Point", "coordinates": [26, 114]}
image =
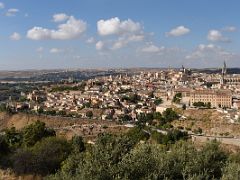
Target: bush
{"type": "Point", "coordinates": [78, 144]}
{"type": "Point", "coordinates": [158, 101]}
{"type": "Point", "coordinates": [35, 132]}
{"type": "Point", "coordinates": [13, 137]}
{"type": "Point", "coordinates": [89, 114]}
{"type": "Point", "coordinates": [4, 147]}
{"type": "Point", "coordinates": [43, 158]}
{"type": "Point", "coordinates": [177, 97]}
{"type": "Point", "coordinates": [170, 115]}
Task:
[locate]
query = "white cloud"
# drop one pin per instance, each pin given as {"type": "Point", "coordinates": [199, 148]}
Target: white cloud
{"type": "Point", "coordinates": [151, 48]}
{"type": "Point", "coordinates": [100, 45]}
{"type": "Point", "coordinates": [60, 17]}
{"type": "Point", "coordinates": [40, 49]}
{"type": "Point", "coordinates": [208, 51]}
{"type": "Point", "coordinates": [123, 41]}
{"type": "Point", "coordinates": [115, 26]}
{"type": "Point", "coordinates": [12, 12]}
{"type": "Point", "coordinates": [178, 31]}
{"type": "Point", "coordinates": [216, 36]}
{"type": "Point", "coordinates": [136, 38]}
{"type": "Point", "coordinates": [125, 32]}
{"type": "Point", "coordinates": [2, 6]}
{"type": "Point", "coordinates": [55, 50]}
{"type": "Point", "coordinates": [15, 36]}
{"type": "Point", "coordinates": [230, 29]}
{"type": "Point", "coordinates": [72, 29]}
{"type": "Point", "coordinates": [90, 40]}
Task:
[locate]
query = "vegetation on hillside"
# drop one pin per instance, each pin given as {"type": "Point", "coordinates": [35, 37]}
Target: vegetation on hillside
{"type": "Point", "coordinates": [141, 153]}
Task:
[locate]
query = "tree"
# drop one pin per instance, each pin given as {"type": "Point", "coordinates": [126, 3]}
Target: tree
{"type": "Point", "coordinates": [3, 107]}
{"type": "Point", "coordinates": [126, 118]}
{"type": "Point", "coordinates": [142, 163]}
{"type": "Point", "coordinates": [4, 147]}
{"type": "Point", "coordinates": [78, 144]}
{"type": "Point", "coordinates": [158, 101]}
{"type": "Point", "coordinates": [43, 158]}
{"type": "Point", "coordinates": [89, 114]}
{"type": "Point", "coordinates": [231, 171]}
{"type": "Point", "coordinates": [137, 134]}
{"type": "Point", "coordinates": [184, 106]}
{"type": "Point", "coordinates": [13, 137]}
{"type": "Point", "coordinates": [157, 115]}
{"type": "Point", "coordinates": [35, 132]}
{"type": "Point", "coordinates": [212, 159]}
{"type": "Point", "coordinates": [199, 104]}
{"type": "Point", "coordinates": [208, 105]}
{"type": "Point", "coordinates": [100, 162]}
{"type": "Point", "coordinates": [170, 115]}
{"type": "Point", "coordinates": [177, 97]}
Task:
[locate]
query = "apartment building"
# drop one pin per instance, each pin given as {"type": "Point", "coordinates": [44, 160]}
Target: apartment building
{"type": "Point", "coordinates": [217, 98]}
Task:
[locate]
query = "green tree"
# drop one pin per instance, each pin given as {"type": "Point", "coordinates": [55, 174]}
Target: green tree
{"type": "Point", "coordinates": [184, 107]}
{"type": "Point", "coordinates": [13, 137]}
{"type": "Point", "coordinates": [4, 147]}
{"type": "Point", "coordinates": [78, 144]}
{"type": "Point", "coordinates": [231, 171]}
{"type": "Point", "coordinates": [137, 134]}
{"type": "Point", "coordinates": [35, 132]}
{"type": "Point", "coordinates": [177, 97]}
{"type": "Point", "coordinates": [169, 114]}
{"type": "Point", "coordinates": [89, 114]}
{"type": "Point", "coordinates": [208, 105]}
{"type": "Point", "coordinates": [199, 104]}
{"type": "Point", "coordinates": [158, 101]}
{"type": "Point", "coordinates": [43, 158]}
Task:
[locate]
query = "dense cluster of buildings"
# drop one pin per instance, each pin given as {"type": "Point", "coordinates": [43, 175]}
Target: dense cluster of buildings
{"type": "Point", "coordinates": [126, 96]}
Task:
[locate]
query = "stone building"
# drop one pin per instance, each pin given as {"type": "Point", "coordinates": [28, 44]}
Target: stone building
{"type": "Point", "coordinates": [217, 98]}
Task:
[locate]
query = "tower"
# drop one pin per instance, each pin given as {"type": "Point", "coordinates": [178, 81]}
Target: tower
{"type": "Point", "coordinates": [183, 69]}
{"type": "Point", "coordinates": [224, 73]}
{"type": "Point", "coordinates": [224, 68]}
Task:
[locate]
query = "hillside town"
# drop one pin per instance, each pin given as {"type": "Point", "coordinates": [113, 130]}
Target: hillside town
{"type": "Point", "coordinates": [123, 97]}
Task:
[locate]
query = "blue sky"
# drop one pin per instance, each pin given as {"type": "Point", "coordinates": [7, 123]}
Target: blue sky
{"type": "Point", "coordinates": [118, 33]}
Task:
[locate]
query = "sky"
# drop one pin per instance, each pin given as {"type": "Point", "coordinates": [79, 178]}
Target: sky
{"type": "Point", "coordinates": [118, 34]}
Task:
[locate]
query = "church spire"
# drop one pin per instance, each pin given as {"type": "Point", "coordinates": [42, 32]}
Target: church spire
{"type": "Point", "coordinates": [224, 69]}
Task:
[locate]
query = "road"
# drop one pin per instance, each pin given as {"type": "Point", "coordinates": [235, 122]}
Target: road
{"type": "Point", "coordinates": [224, 140]}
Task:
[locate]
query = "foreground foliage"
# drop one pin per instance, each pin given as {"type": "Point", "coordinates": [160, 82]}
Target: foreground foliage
{"type": "Point", "coordinates": [138, 154]}
{"type": "Point", "coordinates": [118, 158]}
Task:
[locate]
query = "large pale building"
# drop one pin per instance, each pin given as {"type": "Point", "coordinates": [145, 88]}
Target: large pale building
{"type": "Point", "coordinates": [217, 98]}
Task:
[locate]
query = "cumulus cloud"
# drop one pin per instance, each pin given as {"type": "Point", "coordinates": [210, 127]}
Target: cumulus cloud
{"type": "Point", "coordinates": [72, 29]}
{"type": "Point", "coordinates": [90, 40]}
{"type": "Point", "coordinates": [15, 36]}
{"type": "Point", "coordinates": [123, 41]}
{"type": "Point", "coordinates": [100, 45]}
{"type": "Point", "coordinates": [12, 12]}
{"type": "Point", "coordinates": [230, 29]}
{"type": "Point", "coordinates": [40, 49]}
{"type": "Point", "coordinates": [115, 26]}
{"type": "Point", "coordinates": [2, 6]}
{"type": "Point", "coordinates": [178, 31]}
{"type": "Point", "coordinates": [208, 51]}
{"type": "Point", "coordinates": [55, 50]}
{"type": "Point", "coordinates": [210, 55]}
{"type": "Point", "coordinates": [60, 17]}
{"type": "Point", "coordinates": [124, 31]}
{"type": "Point", "coordinates": [151, 48]}
{"type": "Point", "coordinates": [217, 36]}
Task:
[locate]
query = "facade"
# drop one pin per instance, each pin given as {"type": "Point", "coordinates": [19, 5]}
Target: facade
{"type": "Point", "coordinates": [217, 98]}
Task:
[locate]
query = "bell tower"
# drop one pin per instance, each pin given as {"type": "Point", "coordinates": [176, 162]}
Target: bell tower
{"type": "Point", "coordinates": [224, 73]}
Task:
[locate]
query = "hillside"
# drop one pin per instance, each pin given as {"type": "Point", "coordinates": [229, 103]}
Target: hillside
{"type": "Point", "coordinates": [211, 122]}
{"type": "Point", "coordinates": [66, 127]}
